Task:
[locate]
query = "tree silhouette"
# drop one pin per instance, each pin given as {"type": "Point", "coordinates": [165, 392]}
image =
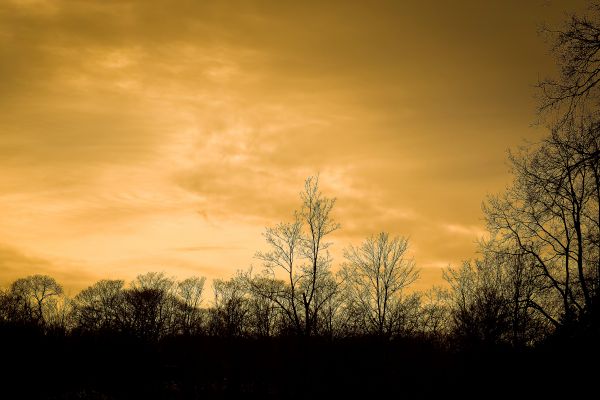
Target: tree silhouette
{"type": "Point", "coordinates": [100, 306]}
{"type": "Point", "coordinates": [151, 305]}
{"type": "Point", "coordinates": [309, 283]}
{"type": "Point", "coordinates": [36, 296]}
{"type": "Point", "coordinates": [481, 307]}
{"type": "Point", "coordinates": [284, 241]}
{"type": "Point", "coordinates": [15, 309]}
{"type": "Point", "coordinates": [189, 296]}
{"type": "Point", "coordinates": [376, 273]}
{"type": "Point", "coordinates": [265, 305]}
{"type": "Point", "coordinates": [230, 314]}
{"type": "Point", "coordinates": [576, 46]}
{"type": "Point", "coordinates": [434, 313]}
{"type": "Point", "coordinates": [315, 213]}
{"type": "Point", "coordinates": [550, 213]}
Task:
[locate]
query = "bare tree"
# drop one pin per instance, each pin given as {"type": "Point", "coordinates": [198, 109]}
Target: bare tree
{"type": "Point", "coordinates": [149, 306]}
{"type": "Point", "coordinates": [266, 309]}
{"type": "Point", "coordinates": [492, 298]}
{"type": "Point", "coordinates": [15, 308]}
{"type": "Point", "coordinates": [330, 301]}
{"type": "Point", "coordinates": [315, 213]}
{"type": "Point", "coordinates": [59, 315]}
{"type": "Point", "coordinates": [576, 46]}
{"type": "Point", "coordinates": [434, 313]}
{"type": "Point", "coordinates": [40, 293]}
{"type": "Point", "coordinates": [230, 313]}
{"type": "Point", "coordinates": [284, 241]}
{"type": "Point", "coordinates": [551, 214]}
{"type": "Point", "coordinates": [376, 273]}
{"type": "Point", "coordinates": [99, 306]}
{"type": "Point", "coordinates": [480, 307]}
{"type": "Point", "coordinates": [299, 250]}
{"type": "Point", "coordinates": [189, 294]}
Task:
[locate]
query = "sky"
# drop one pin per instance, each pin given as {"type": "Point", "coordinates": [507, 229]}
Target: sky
{"type": "Point", "coordinates": [142, 136]}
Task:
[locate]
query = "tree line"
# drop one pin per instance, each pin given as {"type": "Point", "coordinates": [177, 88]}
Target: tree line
{"type": "Point", "coordinates": [537, 275]}
{"type": "Point", "coordinates": [296, 294]}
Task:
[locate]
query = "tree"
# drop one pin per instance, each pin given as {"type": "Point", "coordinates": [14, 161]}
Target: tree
{"type": "Point", "coordinates": [480, 309]}
{"type": "Point", "coordinates": [100, 306]}
{"type": "Point", "coordinates": [330, 300]}
{"type": "Point", "coordinates": [189, 294]}
{"type": "Point", "coordinates": [315, 213]}
{"type": "Point", "coordinates": [376, 273]}
{"type": "Point", "coordinates": [37, 295]}
{"type": "Point", "coordinates": [15, 309]}
{"type": "Point", "coordinates": [434, 313]}
{"type": "Point", "coordinates": [492, 298]}
{"type": "Point", "coordinates": [550, 214]}
{"type": "Point", "coordinates": [149, 306]}
{"type": "Point", "coordinates": [265, 296]}
{"type": "Point", "coordinates": [284, 241]}
{"type": "Point", "coordinates": [308, 287]}
{"type": "Point", "coordinates": [230, 313]}
{"type": "Point", "coordinates": [576, 46]}
{"type": "Point", "coordinates": [541, 267]}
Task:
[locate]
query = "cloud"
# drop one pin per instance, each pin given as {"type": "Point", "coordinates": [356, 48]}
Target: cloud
{"type": "Point", "coordinates": [133, 128]}
{"type": "Point", "coordinates": [15, 263]}
{"type": "Point", "coordinates": [472, 231]}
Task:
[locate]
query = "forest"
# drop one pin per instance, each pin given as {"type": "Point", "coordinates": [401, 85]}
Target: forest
{"type": "Point", "coordinates": [522, 318]}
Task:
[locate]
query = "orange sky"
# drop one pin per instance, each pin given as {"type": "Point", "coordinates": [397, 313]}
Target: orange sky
{"type": "Point", "coordinates": [162, 135]}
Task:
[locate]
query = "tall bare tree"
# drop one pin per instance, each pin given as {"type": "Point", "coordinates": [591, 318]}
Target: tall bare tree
{"type": "Point", "coordinates": [315, 214]}
{"type": "Point", "coordinates": [551, 214]}
{"type": "Point", "coordinates": [299, 251]}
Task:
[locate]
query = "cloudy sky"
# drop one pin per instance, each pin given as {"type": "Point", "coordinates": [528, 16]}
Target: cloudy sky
{"type": "Point", "coordinates": [144, 136]}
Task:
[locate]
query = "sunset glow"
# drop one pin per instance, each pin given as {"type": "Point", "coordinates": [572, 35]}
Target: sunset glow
{"type": "Point", "coordinates": [144, 136]}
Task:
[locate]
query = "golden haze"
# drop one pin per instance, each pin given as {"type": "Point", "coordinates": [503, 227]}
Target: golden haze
{"type": "Point", "coordinates": [159, 135]}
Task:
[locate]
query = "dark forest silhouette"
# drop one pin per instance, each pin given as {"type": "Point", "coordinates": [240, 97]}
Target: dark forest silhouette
{"type": "Point", "coordinates": [522, 318]}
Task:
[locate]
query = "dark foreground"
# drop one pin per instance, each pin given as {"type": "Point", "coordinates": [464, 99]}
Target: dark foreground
{"type": "Point", "coordinates": [117, 367]}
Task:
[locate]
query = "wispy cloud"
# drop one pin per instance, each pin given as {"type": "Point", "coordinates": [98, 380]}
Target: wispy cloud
{"type": "Point", "coordinates": [132, 131]}
{"type": "Point", "coordinates": [16, 263]}
{"type": "Point", "coordinates": [473, 231]}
